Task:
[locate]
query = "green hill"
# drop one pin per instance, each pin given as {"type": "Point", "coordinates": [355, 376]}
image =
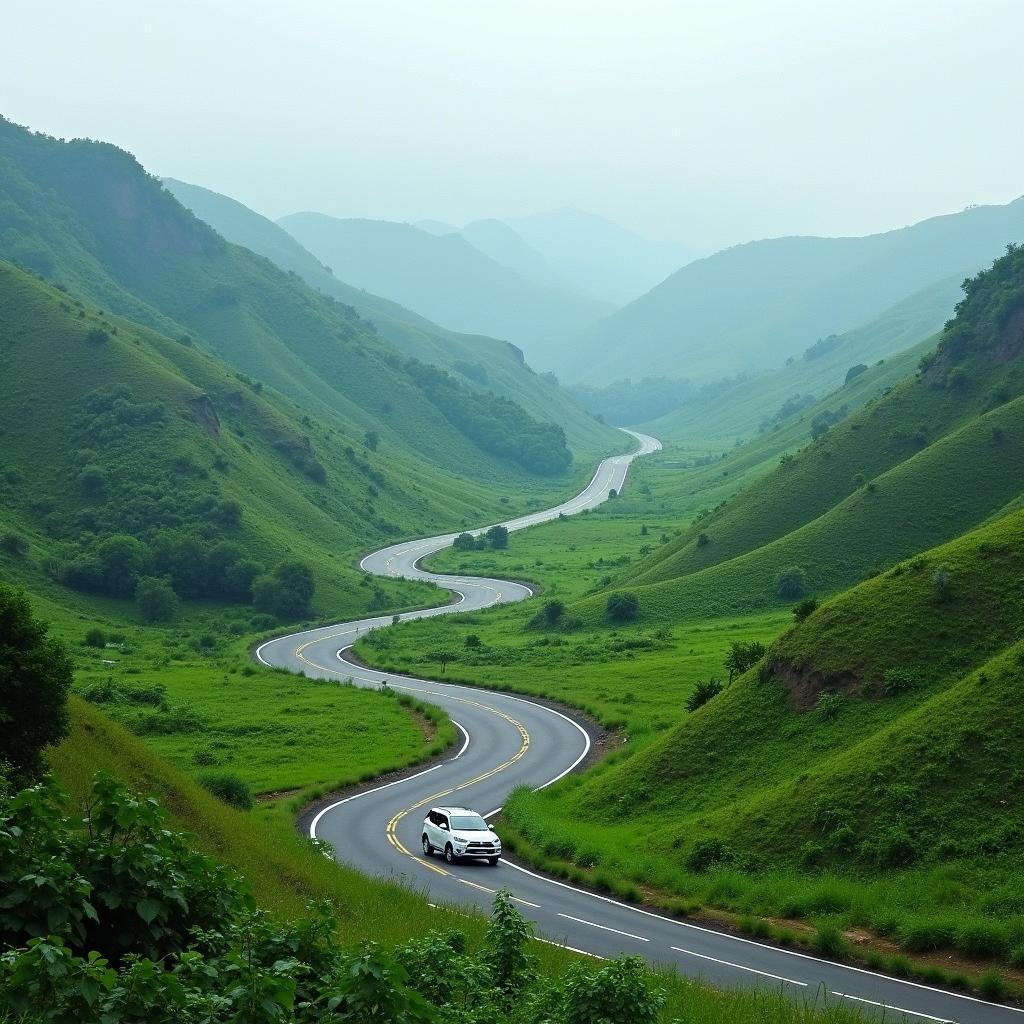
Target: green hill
{"type": "Point", "coordinates": [110, 428]}
{"type": "Point", "coordinates": [723, 412]}
{"type": "Point", "coordinates": [871, 489]}
{"type": "Point", "coordinates": [85, 214]}
{"type": "Point", "coordinates": [752, 306]}
{"type": "Point", "coordinates": [868, 768]}
{"type": "Point", "coordinates": [448, 280]}
{"type": "Point", "coordinates": [479, 362]}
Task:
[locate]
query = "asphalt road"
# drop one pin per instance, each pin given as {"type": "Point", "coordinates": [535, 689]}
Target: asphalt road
{"type": "Point", "coordinates": [510, 742]}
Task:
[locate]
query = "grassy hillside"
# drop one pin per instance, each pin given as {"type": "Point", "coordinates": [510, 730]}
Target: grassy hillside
{"type": "Point", "coordinates": [479, 362]}
{"type": "Point", "coordinates": [872, 488]}
{"type": "Point", "coordinates": [866, 771]}
{"type": "Point", "coordinates": [752, 306]}
{"type": "Point", "coordinates": [722, 413]}
{"type": "Point", "coordinates": [448, 280]}
{"type": "Point", "coordinates": [87, 215]}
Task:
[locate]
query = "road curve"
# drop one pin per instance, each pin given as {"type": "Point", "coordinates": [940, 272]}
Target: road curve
{"type": "Point", "coordinates": [510, 741]}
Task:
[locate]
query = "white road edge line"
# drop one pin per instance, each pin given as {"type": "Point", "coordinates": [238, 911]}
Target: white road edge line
{"type": "Point", "coordinates": [740, 967]}
{"type": "Point", "coordinates": [760, 945]}
{"type": "Point", "coordinates": [465, 746]}
{"type": "Point", "coordinates": [889, 1006]}
{"type": "Point", "coordinates": [572, 949]}
{"type": "Point", "coordinates": [603, 927]}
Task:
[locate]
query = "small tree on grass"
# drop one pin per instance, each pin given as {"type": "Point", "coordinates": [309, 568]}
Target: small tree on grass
{"type": "Point", "coordinates": [372, 440]}
{"type": "Point", "coordinates": [623, 607]}
{"type": "Point", "coordinates": [497, 536]}
{"type": "Point", "coordinates": [505, 953]}
{"type": "Point", "coordinates": [228, 787]}
{"type": "Point", "coordinates": [790, 583]}
{"type": "Point", "coordinates": [743, 655]}
{"type": "Point", "coordinates": [35, 677]}
{"type": "Point", "coordinates": [442, 658]}
{"type": "Point", "coordinates": [464, 542]}
{"type": "Point", "coordinates": [703, 692]}
{"type": "Point", "coordinates": [286, 592]}
{"type": "Point", "coordinates": [14, 544]}
{"type": "Point", "coordinates": [620, 992]}
{"type": "Point", "coordinates": [155, 600]}
{"type": "Point", "coordinates": [805, 609]}
{"type": "Point", "coordinates": [550, 615]}
{"type": "Point", "coordinates": [942, 582]}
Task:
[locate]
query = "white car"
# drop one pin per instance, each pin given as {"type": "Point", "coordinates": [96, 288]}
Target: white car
{"type": "Point", "coordinates": [458, 832]}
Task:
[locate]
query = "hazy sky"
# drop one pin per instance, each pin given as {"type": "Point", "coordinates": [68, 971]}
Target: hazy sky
{"type": "Point", "coordinates": [709, 122]}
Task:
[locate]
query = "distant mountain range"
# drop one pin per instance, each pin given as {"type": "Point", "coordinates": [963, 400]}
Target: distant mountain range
{"type": "Point", "coordinates": [752, 306]}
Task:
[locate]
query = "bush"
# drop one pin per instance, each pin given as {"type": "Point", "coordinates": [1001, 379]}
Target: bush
{"type": "Point", "coordinates": [35, 678]}
{"type": "Point", "coordinates": [465, 542]}
{"type": "Point", "coordinates": [228, 787]}
{"type": "Point", "coordinates": [790, 584]}
{"type": "Point", "coordinates": [550, 615]}
{"type": "Point", "coordinates": [703, 692]}
{"type": "Point", "coordinates": [618, 993]}
{"type": "Point", "coordinates": [805, 609]}
{"type": "Point", "coordinates": [497, 537]}
{"type": "Point", "coordinates": [95, 637]}
{"type": "Point", "coordinates": [829, 705]}
{"type": "Point", "coordinates": [855, 371]}
{"type": "Point", "coordinates": [14, 544]}
{"type": "Point", "coordinates": [743, 656]}
{"type": "Point", "coordinates": [623, 607]}
{"type": "Point", "coordinates": [155, 600]}
{"type": "Point", "coordinates": [286, 592]}
{"type": "Point", "coordinates": [830, 941]}
{"type": "Point", "coordinates": [709, 853]}
{"type": "Point", "coordinates": [97, 336]}
{"type": "Point", "coordinates": [942, 584]}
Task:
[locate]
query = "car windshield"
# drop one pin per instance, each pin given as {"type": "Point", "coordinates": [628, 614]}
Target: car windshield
{"type": "Point", "coordinates": [469, 823]}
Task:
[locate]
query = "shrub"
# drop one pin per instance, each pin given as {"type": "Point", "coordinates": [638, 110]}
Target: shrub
{"type": "Point", "coordinates": [623, 607]}
{"type": "Point", "coordinates": [35, 678]}
{"type": "Point", "coordinates": [703, 692]}
{"type": "Point", "coordinates": [92, 481]}
{"type": "Point", "coordinates": [991, 985]}
{"type": "Point", "coordinates": [708, 853]}
{"type": "Point", "coordinates": [789, 584]}
{"type": "Point", "coordinates": [942, 584]}
{"type": "Point", "coordinates": [829, 705]}
{"type": "Point", "coordinates": [14, 544]}
{"type": "Point", "coordinates": [97, 336]}
{"type": "Point", "coordinates": [95, 637]}
{"type": "Point", "coordinates": [900, 680]}
{"type": "Point", "coordinates": [805, 609]}
{"type": "Point", "coordinates": [286, 592]}
{"type": "Point", "coordinates": [703, 540]}
{"type": "Point", "coordinates": [497, 537]}
{"type": "Point", "coordinates": [228, 787]}
{"type": "Point", "coordinates": [742, 656]}
{"type": "Point", "coordinates": [155, 600]}
{"type": "Point", "coordinates": [618, 993]}
{"type": "Point", "coordinates": [982, 939]}
{"type": "Point", "coordinates": [472, 640]}
{"type": "Point", "coordinates": [830, 941]}
{"type": "Point", "coordinates": [550, 615]}
{"type": "Point", "coordinates": [855, 371]}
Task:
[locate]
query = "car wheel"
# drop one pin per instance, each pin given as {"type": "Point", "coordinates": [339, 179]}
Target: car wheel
{"type": "Point", "coordinates": [493, 861]}
{"type": "Point", "coordinates": [449, 854]}
{"type": "Point", "coordinates": [427, 848]}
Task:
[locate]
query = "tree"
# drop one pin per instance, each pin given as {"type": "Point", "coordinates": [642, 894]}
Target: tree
{"type": "Point", "coordinates": [623, 607]}
{"type": "Point", "coordinates": [35, 677]}
{"type": "Point", "coordinates": [285, 592]}
{"type": "Point", "coordinates": [790, 583]}
{"type": "Point", "coordinates": [703, 692]}
{"type": "Point", "coordinates": [505, 945]}
{"type": "Point", "coordinates": [855, 371]}
{"type": "Point", "coordinates": [618, 993]}
{"type": "Point", "coordinates": [550, 614]}
{"type": "Point", "coordinates": [742, 656]}
{"type": "Point", "coordinates": [155, 600]}
{"type": "Point", "coordinates": [942, 582]}
{"type": "Point", "coordinates": [442, 657]}
{"type": "Point", "coordinates": [497, 536]}
{"type": "Point", "coordinates": [805, 609]}
{"type": "Point", "coordinates": [121, 559]}
{"type": "Point", "coordinates": [92, 481]}
{"type": "Point", "coordinates": [14, 544]}
{"type": "Point", "coordinates": [371, 439]}
{"type": "Point", "coordinates": [464, 542]}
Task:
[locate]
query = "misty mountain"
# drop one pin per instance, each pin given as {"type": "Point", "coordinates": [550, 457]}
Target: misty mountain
{"type": "Point", "coordinates": [751, 306]}
{"type": "Point", "coordinates": [480, 362]}
{"type": "Point", "coordinates": [448, 280]}
{"type": "Point", "coordinates": [496, 239]}
{"type": "Point", "coordinates": [599, 256]}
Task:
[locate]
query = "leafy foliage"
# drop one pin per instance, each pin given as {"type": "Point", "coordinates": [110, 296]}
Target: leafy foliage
{"type": "Point", "coordinates": [35, 677]}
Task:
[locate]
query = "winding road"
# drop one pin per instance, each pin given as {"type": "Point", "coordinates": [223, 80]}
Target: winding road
{"type": "Point", "coordinates": [508, 742]}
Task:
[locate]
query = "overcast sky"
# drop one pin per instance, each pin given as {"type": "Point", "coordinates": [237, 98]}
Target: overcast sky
{"type": "Point", "coordinates": [710, 122]}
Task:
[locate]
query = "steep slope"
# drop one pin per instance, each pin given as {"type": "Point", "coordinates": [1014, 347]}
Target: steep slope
{"type": "Point", "coordinates": [753, 305]}
{"type": "Point", "coordinates": [873, 488]}
{"type": "Point", "coordinates": [879, 739]}
{"type": "Point", "coordinates": [496, 239]}
{"type": "Point", "coordinates": [739, 409]}
{"type": "Point", "coordinates": [599, 256]}
{"type": "Point", "coordinates": [482, 363]}
{"type": "Point", "coordinates": [448, 280]}
{"type": "Point", "coordinates": [88, 215]}
{"type": "Point", "coordinates": [110, 429]}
